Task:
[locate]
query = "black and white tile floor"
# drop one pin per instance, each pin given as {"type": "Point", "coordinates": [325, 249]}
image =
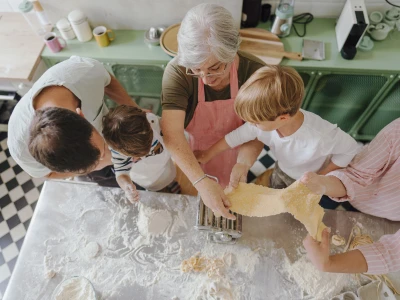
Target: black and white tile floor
{"type": "Point", "coordinates": [18, 197]}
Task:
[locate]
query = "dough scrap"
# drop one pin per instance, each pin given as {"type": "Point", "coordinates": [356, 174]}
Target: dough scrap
{"type": "Point", "coordinates": [258, 201]}
{"type": "Point", "coordinates": [338, 240]}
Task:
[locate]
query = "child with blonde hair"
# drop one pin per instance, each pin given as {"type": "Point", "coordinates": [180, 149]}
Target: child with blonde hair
{"type": "Point", "coordinates": [300, 141]}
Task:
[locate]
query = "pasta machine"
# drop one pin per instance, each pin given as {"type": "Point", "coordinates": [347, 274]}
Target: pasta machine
{"type": "Point", "coordinates": [220, 229]}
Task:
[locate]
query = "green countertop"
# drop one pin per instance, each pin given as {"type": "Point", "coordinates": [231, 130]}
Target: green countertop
{"type": "Point", "coordinates": [129, 46]}
{"type": "Point", "coordinates": [385, 56]}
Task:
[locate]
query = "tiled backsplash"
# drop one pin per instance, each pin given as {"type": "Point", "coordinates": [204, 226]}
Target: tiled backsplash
{"type": "Point", "coordinates": [141, 14]}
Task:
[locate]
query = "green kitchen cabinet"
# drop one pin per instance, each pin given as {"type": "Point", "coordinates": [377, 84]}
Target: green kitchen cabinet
{"type": "Point", "coordinates": [385, 110]}
{"type": "Point", "coordinates": [142, 81]}
{"type": "Point", "coordinates": [343, 97]}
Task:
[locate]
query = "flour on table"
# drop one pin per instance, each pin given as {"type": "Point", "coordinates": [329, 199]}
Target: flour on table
{"type": "Point", "coordinates": [320, 285]}
{"type": "Point", "coordinates": [153, 222]}
{"type": "Point", "coordinates": [77, 288]}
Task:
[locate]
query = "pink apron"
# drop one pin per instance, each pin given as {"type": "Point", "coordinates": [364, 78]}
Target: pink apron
{"type": "Point", "coordinates": [211, 122]}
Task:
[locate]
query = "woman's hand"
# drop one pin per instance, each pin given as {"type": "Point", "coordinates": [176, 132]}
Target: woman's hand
{"type": "Point", "coordinates": [202, 156]}
{"type": "Point", "coordinates": [238, 174]}
{"type": "Point", "coordinates": [319, 252]}
{"type": "Point", "coordinates": [214, 197]}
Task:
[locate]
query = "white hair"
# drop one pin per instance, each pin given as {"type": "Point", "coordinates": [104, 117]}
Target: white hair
{"type": "Point", "coordinates": [207, 29]}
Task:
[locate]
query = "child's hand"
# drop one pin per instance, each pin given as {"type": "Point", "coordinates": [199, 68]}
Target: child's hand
{"type": "Point", "coordinates": [201, 156]}
{"type": "Point", "coordinates": [131, 193]}
{"type": "Point", "coordinates": [319, 252]}
{"type": "Point", "coordinates": [314, 182]}
{"type": "Point", "coordinates": [238, 174]}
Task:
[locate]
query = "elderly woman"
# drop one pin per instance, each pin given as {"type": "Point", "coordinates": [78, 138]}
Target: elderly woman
{"type": "Point", "coordinates": [199, 87]}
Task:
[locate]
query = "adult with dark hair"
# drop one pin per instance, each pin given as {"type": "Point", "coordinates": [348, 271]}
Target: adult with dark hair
{"type": "Point", "coordinates": [77, 85]}
{"type": "Point", "coordinates": [65, 142]}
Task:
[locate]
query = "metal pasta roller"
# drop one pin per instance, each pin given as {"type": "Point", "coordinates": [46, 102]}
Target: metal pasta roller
{"type": "Point", "coordinates": [220, 229]}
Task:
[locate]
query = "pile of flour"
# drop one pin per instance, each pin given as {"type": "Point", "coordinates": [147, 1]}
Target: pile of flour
{"type": "Point", "coordinates": [153, 222]}
{"type": "Point", "coordinates": [77, 288]}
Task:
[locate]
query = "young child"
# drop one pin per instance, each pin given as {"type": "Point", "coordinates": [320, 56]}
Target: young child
{"type": "Point", "coordinates": [370, 183]}
{"type": "Point", "coordinates": [138, 151]}
{"type": "Point", "coordinates": [300, 141]}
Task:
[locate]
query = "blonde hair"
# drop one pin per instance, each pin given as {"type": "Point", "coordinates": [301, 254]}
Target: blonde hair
{"type": "Point", "coordinates": [270, 92]}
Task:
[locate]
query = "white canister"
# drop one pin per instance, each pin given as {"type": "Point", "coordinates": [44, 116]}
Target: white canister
{"type": "Point", "coordinates": [80, 25]}
{"type": "Point", "coordinates": [65, 29]}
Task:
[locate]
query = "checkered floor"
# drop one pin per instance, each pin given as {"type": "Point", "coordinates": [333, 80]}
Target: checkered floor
{"type": "Point", "coordinates": [18, 197]}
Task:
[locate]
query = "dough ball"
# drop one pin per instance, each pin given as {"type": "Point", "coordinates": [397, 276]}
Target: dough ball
{"type": "Point", "coordinates": [92, 249]}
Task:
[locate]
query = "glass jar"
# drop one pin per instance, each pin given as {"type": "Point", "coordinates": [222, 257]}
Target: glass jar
{"type": "Point", "coordinates": [26, 8]}
{"type": "Point", "coordinates": [40, 13]}
{"type": "Point", "coordinates": [80, 25]}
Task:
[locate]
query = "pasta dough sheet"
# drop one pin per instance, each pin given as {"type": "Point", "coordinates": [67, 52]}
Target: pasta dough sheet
{"type": "Point", "coordinates": [253, 200]}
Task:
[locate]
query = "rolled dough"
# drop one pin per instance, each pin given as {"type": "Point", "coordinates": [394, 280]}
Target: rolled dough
{"type": "Point", "coordinates": [258, 201]}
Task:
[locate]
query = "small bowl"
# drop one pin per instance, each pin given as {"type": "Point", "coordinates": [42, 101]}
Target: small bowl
{"type": "Point", "coordinates": [153, 35]}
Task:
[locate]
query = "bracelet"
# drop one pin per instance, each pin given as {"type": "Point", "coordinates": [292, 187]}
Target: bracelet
{"type": "Point", "coordinates": [200, 179]}
{"type": "Point", "coordinates": [204, 176]}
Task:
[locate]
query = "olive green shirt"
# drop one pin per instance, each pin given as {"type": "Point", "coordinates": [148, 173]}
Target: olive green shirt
{"type": "Point", "coordinates": [180, 91]}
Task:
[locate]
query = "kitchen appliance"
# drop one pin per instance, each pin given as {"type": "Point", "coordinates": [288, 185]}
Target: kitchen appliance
{"type": "Point", "coordinates": [351, 27]}
{"type": "Point", "coordinates": [283, 18]}
{"type": "Point", "coordinates": [251, 13]}
{"type": "Point", "coordinates": [220, 230]}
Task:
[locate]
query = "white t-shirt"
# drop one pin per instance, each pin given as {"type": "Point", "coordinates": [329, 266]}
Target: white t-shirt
{"type": "Point", "coordinates": [307, 149]}
{"type": "Point", "coordinates": [85, 77]}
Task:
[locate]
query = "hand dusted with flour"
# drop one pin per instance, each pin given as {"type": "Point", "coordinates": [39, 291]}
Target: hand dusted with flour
{"type": "Point", "coordinates": [258, 201]}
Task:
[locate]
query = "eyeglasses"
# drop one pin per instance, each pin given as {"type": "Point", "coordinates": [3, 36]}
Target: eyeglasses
{"type": "Point", "coordinates": [195, 74]}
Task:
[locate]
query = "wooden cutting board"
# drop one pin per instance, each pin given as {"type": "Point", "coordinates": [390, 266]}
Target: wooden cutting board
{"type": "Point", "coordinates": [265, 45]}
{"type": "Point", "coordinates": [259, 42]}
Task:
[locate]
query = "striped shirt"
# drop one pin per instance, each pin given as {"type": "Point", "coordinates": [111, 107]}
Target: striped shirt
{"type": "Point", "coordinates": [372, 183]}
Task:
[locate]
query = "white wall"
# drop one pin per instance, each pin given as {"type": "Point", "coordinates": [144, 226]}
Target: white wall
{"type": "Point", "coordinates": [130, 14]}
{"type": "Point", "coordinates": [141, 14]}
{"type": "Point", "coordinates": [4, 6]}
